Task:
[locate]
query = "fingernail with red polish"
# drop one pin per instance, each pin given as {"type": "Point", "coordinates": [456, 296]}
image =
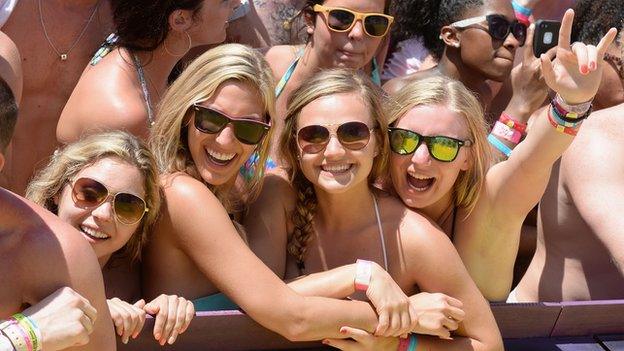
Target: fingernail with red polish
{"type": "Point", "coordinates": [584, 69]}
{"type": "Point", "coordinates": [325, 342]}
{"type": "Point", "coordinates": [592, 65]}
{"type": "Point", "coordinates": [343, 330]}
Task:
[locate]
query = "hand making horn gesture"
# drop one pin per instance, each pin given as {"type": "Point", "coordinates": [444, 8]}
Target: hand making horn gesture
{"type": "Point", "coordinates": [576, 71]}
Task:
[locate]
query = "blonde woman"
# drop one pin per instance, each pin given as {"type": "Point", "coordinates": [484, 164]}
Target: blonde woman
{"type": "Point", "coordinates": [439, 163]}
{"type": "Point", "coordinates": [106, 186]}
{"type": "Point", "coordinates": [330, 214]}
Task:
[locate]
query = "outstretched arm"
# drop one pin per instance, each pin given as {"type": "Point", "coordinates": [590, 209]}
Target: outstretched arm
{"type": "Point", "coordinates": [513, 187]}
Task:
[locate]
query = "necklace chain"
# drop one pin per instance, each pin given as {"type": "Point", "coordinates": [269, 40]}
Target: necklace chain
{"type": "Point", "coordinates": [61, 55]}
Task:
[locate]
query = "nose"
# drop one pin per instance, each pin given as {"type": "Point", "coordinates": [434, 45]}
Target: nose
{"type": "Point", "coordinates": [421, 155]}
{"type": "Point", "coordinates": [511, 42]}
{"type": "Point", "coordinates": [334, 149]}
{"type": "Point", "coordinates": [104, 211]}
{"type": "Point", "coordinates": [226, 136]}
{"type": "Point", "coordinates": [357, 32]}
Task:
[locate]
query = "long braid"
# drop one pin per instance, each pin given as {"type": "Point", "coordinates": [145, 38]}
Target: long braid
{"type": "Point", "coordinates": [303, 219]}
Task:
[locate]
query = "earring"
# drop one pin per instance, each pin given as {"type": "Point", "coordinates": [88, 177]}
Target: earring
{"type": "Point", "coordinates": [188, 37]}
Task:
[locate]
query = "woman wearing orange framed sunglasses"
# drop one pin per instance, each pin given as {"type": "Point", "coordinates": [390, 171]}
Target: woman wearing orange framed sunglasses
{"type": "Point", "coordinates": [106, 186]}
{"type": "Point", "coordinates": [342, 34]}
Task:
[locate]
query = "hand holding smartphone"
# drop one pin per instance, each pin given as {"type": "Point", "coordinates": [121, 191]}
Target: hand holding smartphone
{"type": "Point", "coordinates": [546, 36]}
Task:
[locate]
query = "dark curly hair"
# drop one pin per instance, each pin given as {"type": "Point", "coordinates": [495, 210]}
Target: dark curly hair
{"type": "Point", "coordinates": [413, 18]}
{"type": "Point", "coordinates": [8, 114]}
{"type": "Point", "coordinates": [142, 25]}
{"type": "Point", "coordinates": [594, 18]}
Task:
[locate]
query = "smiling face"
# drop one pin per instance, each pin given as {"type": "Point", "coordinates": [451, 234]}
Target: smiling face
{"type": "Point", "coordinates": [337, 168]}
{"type": "Point", "coordinates": [480, 52]}
{"type": "Point", "coordinates": [420, 180]}
{"type": "Point", "coordinates": [219, 156]}
{"type": "Point", "coordinates": [351, 49]}
{"type": "Point", "coordinates": [98, 224]}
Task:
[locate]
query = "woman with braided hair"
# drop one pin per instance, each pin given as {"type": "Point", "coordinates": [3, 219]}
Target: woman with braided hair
{"type": "Point", "coordinates": [330, 214]}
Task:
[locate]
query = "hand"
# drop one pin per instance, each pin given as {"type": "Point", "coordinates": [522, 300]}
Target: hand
{"type": "Point", "coordinates": [576, 72]}
{"type": "Point", "coordinates": [173, 316]}
{"type": "Point", "coordinates": [128, 319]}
{"type": "Point", "coordinates": [362, 341]}
{"type": "Point", "coordinates": [438, 314]}
{"type": "Point", "coordinates": [527, 81]}
{"type": "Point", "coordinates": [391, 304]}
{"type": "Point", "coordinates": [65, 319]}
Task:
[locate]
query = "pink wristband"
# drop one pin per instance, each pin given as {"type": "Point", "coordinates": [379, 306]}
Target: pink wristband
{"type": "Point", "coordinates": [403, 344]}
{"type": "Point", "coordinates": [503, 131]}
{"type": "Point", "coordinates": [363, 272]}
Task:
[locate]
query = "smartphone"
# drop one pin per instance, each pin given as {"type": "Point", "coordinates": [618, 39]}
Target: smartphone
{"type": "Point", "coordinates": [546, 36]}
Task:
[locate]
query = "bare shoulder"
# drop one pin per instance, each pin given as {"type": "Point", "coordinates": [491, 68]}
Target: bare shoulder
{"type": "Point", "coordinates": [11, 65]}
{"type": "Point", "coordinates": [277, 187]}
{"type": "Point", "coordinates": [603, 130]}
{"type": "Point", "coordinates": [107, 96]}
{"type": "Point", "coordinates": [394, 85]}
{"type": "Point", "coordinates": [280, 57]}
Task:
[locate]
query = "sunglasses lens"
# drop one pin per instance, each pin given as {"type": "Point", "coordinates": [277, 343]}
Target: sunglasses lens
{"type": "Point", "coordinates": [520, 31]}
{"type": "Point", "coordinates": [249, 132]}
{"type": "Point", "coordinates": [376, 26]}
{"type": "Point", "coordinates": [88, 192]}
{"type": "Point", "coordinates": [498, 27]}
{"type": "Point", "coordinates": [340, 20]}
{"type": "Point", "coordinates": [129, 208]}
{"type": "Point", "coordinates": [353, 135]}
{"type": "Point", "coordinates": [312, 139]}
{"type": "Point", "coordinates": [403, 142]}
{"type": "Point", "coordinates": [209, 121]}
{"type": "Point", "coordinates": [443, 149]}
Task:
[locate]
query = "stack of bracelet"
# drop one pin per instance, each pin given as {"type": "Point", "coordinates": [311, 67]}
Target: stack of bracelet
{"type": "Point", "coordinates": [408, 344]}
{"type": "Point", "coordinates": [506, 128]}
{"type": "Point", "coordinates": [567, 118]}
{"type": "Point", "coordinates": [22, 332]}
{"type": "Point", "coordinates": [523, 14]}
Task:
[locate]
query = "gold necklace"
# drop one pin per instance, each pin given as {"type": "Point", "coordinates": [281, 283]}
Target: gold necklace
{"type": "Point", "coordinates": [64, 55]}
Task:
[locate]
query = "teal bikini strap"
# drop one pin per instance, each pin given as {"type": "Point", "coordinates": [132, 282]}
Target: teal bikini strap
{"type": "Point", "coordinates": [282, 82]}
{"type": "Point", "coordinates": [375, 73]}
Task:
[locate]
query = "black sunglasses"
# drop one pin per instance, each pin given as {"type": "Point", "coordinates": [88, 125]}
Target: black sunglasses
{"type": "Point", "coordinates": [340, 19]}
{"type": "Point", "coordinates": [128, 208]}
{"type": "Point", "coordinates": [247, 131]}
{"type": "Point", "coordinates": [354, 135]}
{"type": "Point", "coordinates": [498, 27]}
{"type": "Point", "coordinates": [441, 148]}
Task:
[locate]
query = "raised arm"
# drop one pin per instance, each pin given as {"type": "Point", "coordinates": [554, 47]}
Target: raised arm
{"type": "Point", "coordinates": [226, 261]}
{"type": "Point", "coordinates": [515, 186]}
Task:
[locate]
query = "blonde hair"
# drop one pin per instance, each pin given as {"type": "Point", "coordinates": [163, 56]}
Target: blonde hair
{"type": "Point", "coordinates": [326, 83]}
{"type": "Point", "coordinates": [198, 82]}
{"type": "Point", "coordinates": [453, 95]}
{"type": "Point", "coordinates": [67, 162]}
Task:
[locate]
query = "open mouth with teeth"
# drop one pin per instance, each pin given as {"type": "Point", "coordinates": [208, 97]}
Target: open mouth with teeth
{"type": "Point", "coordinates": [419, 182]}
{"type": "Point", "coordinates": [93, 234]}
{"type": "Point", "coordinates": [219, 158]}
{"type": "Point", "coordinates": [337, 169]}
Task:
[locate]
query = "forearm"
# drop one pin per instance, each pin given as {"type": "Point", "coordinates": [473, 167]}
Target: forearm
{"type": "Point", "coordinates": [336, 283]}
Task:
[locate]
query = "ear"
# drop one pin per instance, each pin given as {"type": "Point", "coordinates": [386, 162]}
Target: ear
{"type": "Point", "coordinates": [56, 198]}
{"type": "Point", "coordinates": [180, 20]}
{"type": "Point", "coordinates": [468, 160]}
{"type": "Point", "coordinates": [310, 20]}
{"type": "Point", "coordinates": [1, 161]}
{"type": "Point", "coordinates": [450, 36]}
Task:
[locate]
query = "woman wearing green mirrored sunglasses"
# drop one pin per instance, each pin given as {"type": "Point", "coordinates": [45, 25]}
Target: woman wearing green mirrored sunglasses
{"type": "Point", "coordinates": [481, 208]}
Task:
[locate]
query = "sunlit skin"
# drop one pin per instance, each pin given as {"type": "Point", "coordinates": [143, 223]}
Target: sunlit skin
{"type": "Point", "coordinates": [109, 93]}
{"type": "Point", "coordinates": [431, 194]}
{"type": "Point", "coordinates": [219, 156]}
{"type": "Point", "coordinates": [102, 218]}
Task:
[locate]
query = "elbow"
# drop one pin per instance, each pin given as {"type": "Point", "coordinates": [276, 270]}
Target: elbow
{"type": "Point", "coordinates": [298, 327]}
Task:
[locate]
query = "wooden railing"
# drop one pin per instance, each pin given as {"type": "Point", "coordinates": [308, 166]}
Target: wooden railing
{"type": "Point", "coordinates": [587, 326]}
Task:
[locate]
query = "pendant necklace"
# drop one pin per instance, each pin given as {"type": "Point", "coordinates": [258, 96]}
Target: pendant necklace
{"type": "Point", "coordinates": [64, 55]}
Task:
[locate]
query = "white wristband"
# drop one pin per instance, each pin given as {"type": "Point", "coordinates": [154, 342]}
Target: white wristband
{"type": "Point", "coordinates": [363, 272]}
{"type": "Point", "coordinates": [5, 344]}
